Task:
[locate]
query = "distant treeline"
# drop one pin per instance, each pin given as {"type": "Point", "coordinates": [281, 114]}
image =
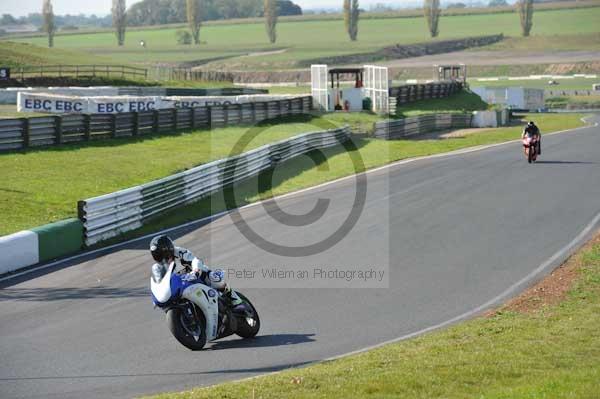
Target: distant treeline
{"type": "Point", "coordinates": [160, 12]}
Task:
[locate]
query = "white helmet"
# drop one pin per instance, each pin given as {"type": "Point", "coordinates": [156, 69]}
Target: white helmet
{"type": "Point", "coordinates": [217, 279]}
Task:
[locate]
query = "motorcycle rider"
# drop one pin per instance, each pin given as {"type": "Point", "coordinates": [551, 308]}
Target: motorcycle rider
{"type": "Point", "coordinates": [533, 132]}
{"type": "Point", "coordinates": [164, 252]}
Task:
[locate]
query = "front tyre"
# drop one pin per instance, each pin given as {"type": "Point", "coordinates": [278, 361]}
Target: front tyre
{"type": "Point", "coordinates": [247, 325]}
{"type": "Point", "coordinates": [186, 328]}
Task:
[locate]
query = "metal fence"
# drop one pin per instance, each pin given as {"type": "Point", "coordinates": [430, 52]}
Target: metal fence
{"type": "Point", "coordinates": [401, 128]}
{"type": "Point", "coordinates": [23, 133]}
{"type": "Point", "coordinates": [113, 214]}
{"type": "Point", "coordinates": [161, 73]}
{"type": "Point", "coordinates": [78, 71]}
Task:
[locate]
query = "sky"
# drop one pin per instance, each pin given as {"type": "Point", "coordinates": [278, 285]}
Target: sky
{"type": "Point", "coordinates": [102, 7]}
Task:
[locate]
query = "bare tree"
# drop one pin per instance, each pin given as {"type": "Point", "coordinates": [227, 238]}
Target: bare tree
{"type": "Point", "coordinates": [432, 15]}
{"type": "Point", "coordinates": [526, 14]}
{"type": "Point", "coordinates": [194, 17]}
{"type": "Point", "coordinates": [271, 14]}
{"type": "Point", "coordinates": [49, 26]}
{"type": "Point", "coordinates": [119, 17]}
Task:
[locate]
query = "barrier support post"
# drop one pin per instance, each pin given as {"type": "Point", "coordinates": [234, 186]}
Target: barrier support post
{"type": "Point", "coordinates": [156, 120]}
{"type": "Point", "coordinates": [113, 125]}
{"type": "Point", "coordinates": [87, 126]}
{"type": "Point", "coordinates": [58, 130]}
{"type": "Point", "coordinates": [25, 131]}
{"type": "Point", "coordinates": [135, 127]}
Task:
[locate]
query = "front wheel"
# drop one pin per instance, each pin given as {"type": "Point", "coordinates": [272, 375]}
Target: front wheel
{"type": "Point", "coordinates": [187, 328]}
{"type": "Point", "coordinates": [247, 325]}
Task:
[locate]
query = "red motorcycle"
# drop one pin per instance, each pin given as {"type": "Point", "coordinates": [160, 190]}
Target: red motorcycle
{"type": "Point", "coordinates": [533, 148]}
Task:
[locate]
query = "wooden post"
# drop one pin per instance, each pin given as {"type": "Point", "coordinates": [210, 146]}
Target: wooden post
{"type": "Point", "coordinates": [87, 126]}
{"type": "Point", "coordinates": [135, 128]}
{"type": "Point", "coordinates": [175, 119]}
{"type": "Point", "coordinates": [209, 117]}
{"type": "Point", "coordinates": [253, 112]}
{"type": "Point", "coordinates": [156, 116]}
{"type": "Point", "coordinates": [193, 118]}
{"type": "Point", "coordinates": [58, 130]}
{"type": "Point", "coordinates": [226, 114]}
{"type": "Point", "coordinates": [113, 125]}
{"type": "Point", "coordinates": [25, 132]}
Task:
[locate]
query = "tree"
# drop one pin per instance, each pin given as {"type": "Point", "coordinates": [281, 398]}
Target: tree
{"type": "Point", "coordinates": [7, 19]}
{"type": "Point", "coordinates": [525, 8]}
{"type": "Point", "coordinates": [498, 3]}
{"type": "Point", "coordinates": [119, 17]}
{"type": "Point", "coordinates": [432, 15]}
{"type": "Point", "coordinates": [48, 25]}
{"type": "Point", "coordinates": [351, 15]}
{"type": "Point", "coordinates": [183, 37]}
{"type": "Point", "coordinates": [347, 15]}
{"type": "Point", "coordinates": [194, 17]}
{"type": "Point", "coordinates": [270, 11]}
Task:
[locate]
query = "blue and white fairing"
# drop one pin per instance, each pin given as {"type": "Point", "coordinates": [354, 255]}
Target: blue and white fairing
{"type": "Point", "coordinates": [172, 286]}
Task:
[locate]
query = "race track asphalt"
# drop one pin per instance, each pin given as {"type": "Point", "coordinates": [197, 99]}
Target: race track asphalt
{"type": "Point", "coordinates": [455, 232]}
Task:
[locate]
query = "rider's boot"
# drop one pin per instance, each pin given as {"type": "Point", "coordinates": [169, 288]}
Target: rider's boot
{"type": "Point", "coordinates": [232, 297]}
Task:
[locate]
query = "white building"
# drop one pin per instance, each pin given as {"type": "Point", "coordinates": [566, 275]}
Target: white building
{"type": "Point", "coordinates": [512, 97]}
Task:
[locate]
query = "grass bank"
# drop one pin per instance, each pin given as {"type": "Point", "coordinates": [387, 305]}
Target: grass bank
{"type": "Point", "coordinates": [38, 189]}
{"type": "Point", "coordinates": [314, 39]}
{"type": "Point", "coordinates": [550, 351]}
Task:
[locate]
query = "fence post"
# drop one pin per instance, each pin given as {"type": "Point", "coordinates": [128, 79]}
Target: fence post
{"type": "Point", "coordinates": [241, 113]}
{"type": "Point", "coordinates": [156, 120]}
{"type": "Point", "coordinates": [113, 125]}
{"type": "Point", "coordinates": [175, 119]}
{"type": "Point", "coordinates": [253, 112]}
{"type": "Point", "coordinates": [226, 114]}
{"type": "Point", "coordinates": [25, 132]}
{"type": "Point", "coordinates": [193, 118]}
{"type": "Point", "coordinates": [87, 126]}
{"type": "Point", "coordinates": [209, 117]}
{"type": "Point", "coordinates": [135, 124]}
{"type": "Point", "coordinates": [58, 130]}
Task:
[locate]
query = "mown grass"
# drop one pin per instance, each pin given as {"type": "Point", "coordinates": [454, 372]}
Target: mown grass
{"type": "Point", "coordinates": [563, 84]}
{"type": "Point", "coordinates": [314, 39]}
{"type": "Point", "coordinates": [42, 186]}
{"type": "Point", "coordinates": [301, 172]}
{"type": "Point", "coordinates": [13, 55]}
{"type": "Point", "coordinates": [550, 354]}
{"type": "Point", "coordinates": [581, 102]}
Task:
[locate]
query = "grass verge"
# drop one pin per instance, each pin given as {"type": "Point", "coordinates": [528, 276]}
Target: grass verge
{"type": "Point", "coordinates": [38, 189]}
{"type": "Point", "coordinates": [551, 352]}
{"type": "Point", "coordinates": [301, 172]}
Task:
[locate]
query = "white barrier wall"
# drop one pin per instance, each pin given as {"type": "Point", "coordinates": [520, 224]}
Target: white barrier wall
{"type": "Point", "coordinates": [55, 104]}
{"type": "Point", "coordinates": [485, 119]}
{"type": "Point", "coordinates": [18, 250]}
{"type": "Point", "coordinates": [60, 104]}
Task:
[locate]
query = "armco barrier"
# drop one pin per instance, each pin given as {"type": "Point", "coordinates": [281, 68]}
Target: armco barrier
{"type": "Point", "coordinates": [110, 215]}
{"type": "Point", "coordinates": [24, 133]}
{"type": "Point", "coordinates": [399, 128]}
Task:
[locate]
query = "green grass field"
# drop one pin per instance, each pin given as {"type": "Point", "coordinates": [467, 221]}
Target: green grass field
{"type": "Point", "coordinates": [313, 39]}
{"type": "Point", "coordinates": [563, 84]}
{"type": "Point", "coordinates": [552, 353]}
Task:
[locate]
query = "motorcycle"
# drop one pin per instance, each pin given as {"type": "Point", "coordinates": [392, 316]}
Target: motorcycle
{"type": "Point", "coordinates": [197, 314]}
{"type": "Point", "coordinates": [533, 148]}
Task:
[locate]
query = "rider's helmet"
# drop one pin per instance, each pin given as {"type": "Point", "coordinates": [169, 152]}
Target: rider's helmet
{"type": "Point", "coordinates": [531, 124]}
{"type": "Point", "coordinates": [162, 248]}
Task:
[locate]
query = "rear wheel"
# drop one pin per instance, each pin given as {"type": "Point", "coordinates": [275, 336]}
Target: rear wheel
{"type": "Point", "coordinates": [248, 325]}
{"type": "Point", "coordinates": [187, 328]}
{"type": "Point", "coordinates": [530, 153]}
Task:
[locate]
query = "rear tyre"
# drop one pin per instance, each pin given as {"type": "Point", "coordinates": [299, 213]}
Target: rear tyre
{"type": "Point", "coordinates": [190, 332]}
{"type": "Point", "coordinates": [530, 154]}
{"type": "Point", "coordinates": [248, 327]}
